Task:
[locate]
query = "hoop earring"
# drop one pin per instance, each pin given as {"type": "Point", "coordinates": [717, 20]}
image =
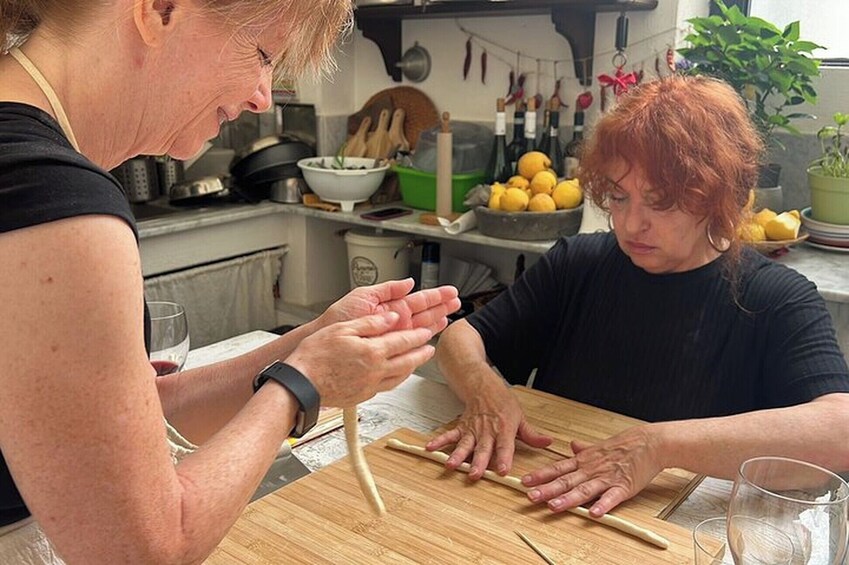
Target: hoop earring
{"type": "Point", "coordinates": [713, 243]}
{"type": "Point", "coordinates": [610, 222]}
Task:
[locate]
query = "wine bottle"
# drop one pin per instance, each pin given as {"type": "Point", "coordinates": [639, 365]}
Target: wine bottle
{"type": "Point", "coordinates": [572, 150]}
{"type": "Point", "coordinates": [516, 148]}
{"type": "Point", "coordinates": [550, 144]}
{"type": "Point", "coordinates": [531, 125]}
{"type": "Point", "coordinates": [546, 120]}
{"type": "Point", "coordinates": [498, 169]}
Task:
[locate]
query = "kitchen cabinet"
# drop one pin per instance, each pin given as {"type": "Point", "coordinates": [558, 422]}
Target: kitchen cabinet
{"type": "Point", "coordinates": [573, 19]}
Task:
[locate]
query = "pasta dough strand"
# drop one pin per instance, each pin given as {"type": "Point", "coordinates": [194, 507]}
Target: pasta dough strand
{"type": "Point", "coordinates": [358, 461]}
{"type": "Point", "coordinates": [515, 483]}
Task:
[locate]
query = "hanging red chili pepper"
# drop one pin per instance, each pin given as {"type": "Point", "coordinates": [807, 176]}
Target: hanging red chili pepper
{"type": "Point", "coordinates": [670, 59]}
{"type": "Point", "coordinates": [512, 83]}
{"type": "Point", "coordinates": [483, 67]}
{"type": "Point", "coordinates": [468, 62]}
{"type": "Point", "coordinates": [657, 66]}
{"type": "Point", "coordinates": [518, 90]}
{"type": "Point", "coordinates": [556, 96]}
{"type": "Point", "coordinates": [603, 92]}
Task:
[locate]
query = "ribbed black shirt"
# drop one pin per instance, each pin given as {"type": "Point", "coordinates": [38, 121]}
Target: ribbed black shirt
{"type": "Point", "coordinates": [600, 330]}
{"type": "Point", "coordinates": [42, 179]}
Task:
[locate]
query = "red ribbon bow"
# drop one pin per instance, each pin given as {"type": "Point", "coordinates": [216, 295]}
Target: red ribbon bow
{"type": "Point", "coordinates": [620, 81]}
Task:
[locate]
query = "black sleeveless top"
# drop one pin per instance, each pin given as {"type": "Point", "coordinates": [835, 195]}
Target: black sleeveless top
{"type": "Point", "coordinates": [43, 179]}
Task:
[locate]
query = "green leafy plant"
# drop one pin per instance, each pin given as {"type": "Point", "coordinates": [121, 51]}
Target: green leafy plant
{"type": "Point", "coordinates": [834, 161]}
{"type": "Point", "coordinates": [770, 68]}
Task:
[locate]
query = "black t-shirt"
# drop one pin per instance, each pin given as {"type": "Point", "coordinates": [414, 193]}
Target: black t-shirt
{"type": "Point", "coordinates": [43, 179]}
{"type": "Point", "coordinates": [600, 330]}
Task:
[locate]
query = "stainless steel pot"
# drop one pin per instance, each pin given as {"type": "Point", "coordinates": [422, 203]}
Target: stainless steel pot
{"type": "Point", "coordinates": [198, 190]}
{"type": "Point", "coordinates": [288, 191]}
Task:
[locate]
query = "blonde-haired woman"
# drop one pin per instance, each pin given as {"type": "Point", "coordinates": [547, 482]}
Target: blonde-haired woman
{"type": "Point", "coordinates": [86, 474]}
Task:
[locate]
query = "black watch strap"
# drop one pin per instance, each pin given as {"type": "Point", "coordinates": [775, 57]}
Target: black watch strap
{"type": "Point", "coordinates": [300, 387]}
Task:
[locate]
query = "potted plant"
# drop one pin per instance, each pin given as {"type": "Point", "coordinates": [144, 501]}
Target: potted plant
{"type": "Point", "coordinates": [771, 69]}
{"type": "Point", "coordinates": [828, 176]}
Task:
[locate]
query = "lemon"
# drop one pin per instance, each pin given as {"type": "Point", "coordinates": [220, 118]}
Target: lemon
{"type": "Point", "coordinates": [542, 202]}
{"type": "Point", "coordinates": [567, 194]}
{"type": "Point", "coordinates": [783, 226]}
{"type": "Point", "coordinates": [751, 232]}
{"type": "Point", "coordinates": [795, 214]}
{"type": "Point", "coordinates": [533, 162]}
{"type": "Point", "coordinates": [518, 181]}
{"type": "Point", "coordinates": [543, 182]}
{"type": "Point", "coordinates": [495, 193]}
{"type": "Point", "coordinates": [764, 216]}
{"type": "Point", "coordinates": [514, 200]}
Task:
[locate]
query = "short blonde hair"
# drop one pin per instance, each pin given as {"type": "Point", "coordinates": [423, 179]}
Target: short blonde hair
{"type": "Point", "coordinates": [314, 25]}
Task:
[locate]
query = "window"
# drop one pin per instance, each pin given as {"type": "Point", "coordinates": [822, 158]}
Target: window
{"type": "Point", "coordinates": [822, 22]}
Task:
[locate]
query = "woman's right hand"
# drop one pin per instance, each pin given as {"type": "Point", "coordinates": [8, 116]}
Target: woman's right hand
{"type": "Point", "coordinates": [349, 362]}
{"type": "Point", "coordinates": [487, 432]}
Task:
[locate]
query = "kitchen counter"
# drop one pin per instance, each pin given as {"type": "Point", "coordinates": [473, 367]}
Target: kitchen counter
{"type": "Point", "coordinates": [828, 270]}
{"type": "Point", "coordinates": [182, 238]}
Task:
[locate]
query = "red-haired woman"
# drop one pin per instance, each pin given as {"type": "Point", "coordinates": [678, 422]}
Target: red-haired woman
{"type": "Point", "coordinates": [667, 319]}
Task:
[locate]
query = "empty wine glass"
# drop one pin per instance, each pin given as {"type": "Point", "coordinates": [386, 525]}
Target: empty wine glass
{"type": "Point", "coordinates": [710, 541]}
{"type": "Point", "coordinates": [803, 502]}
{"type": "Point", "coordinates": [169, 337]}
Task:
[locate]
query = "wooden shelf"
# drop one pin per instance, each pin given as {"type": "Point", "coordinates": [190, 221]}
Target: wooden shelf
{"type": "Point", "coordinates": [573, 19]}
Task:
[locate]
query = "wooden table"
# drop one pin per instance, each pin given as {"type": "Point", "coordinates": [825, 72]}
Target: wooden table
{"type": "Point", "coordinates": [439, 517]}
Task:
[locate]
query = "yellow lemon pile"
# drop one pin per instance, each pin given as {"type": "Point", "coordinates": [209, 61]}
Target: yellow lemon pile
{"type": "Point", "coordinates": [768, 225]}
{"type": "Point", "coordinates": [535, 188]}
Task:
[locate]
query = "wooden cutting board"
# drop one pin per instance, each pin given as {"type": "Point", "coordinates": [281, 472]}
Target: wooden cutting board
{"type": "Point", "coordinates": [437, 516]}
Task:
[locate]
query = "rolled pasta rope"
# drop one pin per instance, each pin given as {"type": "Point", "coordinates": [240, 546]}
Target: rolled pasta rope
{"type": "Point", "coordinates": [515, 483]}
{"type": "Point", "coordinates": [358, 461]}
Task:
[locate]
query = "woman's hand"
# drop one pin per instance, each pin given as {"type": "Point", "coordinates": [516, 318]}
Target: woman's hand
{"type": "Point", "coordinates": [611, 471]}
{"type": "Point", "coordinates": [487, 430]}
{"type": "Point", "coordinates": [423, 309]}
{"type": "Point", "coordinates": [349, 362]}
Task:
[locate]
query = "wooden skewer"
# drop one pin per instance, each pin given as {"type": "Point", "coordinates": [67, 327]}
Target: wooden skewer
{"type": "Point", "coordinates": [358, 461]}
{"type": "Point", "coordinates": [516, 483]}
{"type": "Point", "coordinates": [536, 549]}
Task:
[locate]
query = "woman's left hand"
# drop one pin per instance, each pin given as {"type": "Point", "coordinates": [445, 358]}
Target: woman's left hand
{"type": "Point", "coordinates": [423, 309]}
{"type": "Point", "coordinates": [608, 472]}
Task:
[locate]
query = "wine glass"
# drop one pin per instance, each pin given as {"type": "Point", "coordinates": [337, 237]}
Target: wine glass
{"type": "Point", "coordinates": [710, 541]}
{"type": "Point", "coordinates": [169, 337]}
{"type": "Point", "coordinates": [804, 502]}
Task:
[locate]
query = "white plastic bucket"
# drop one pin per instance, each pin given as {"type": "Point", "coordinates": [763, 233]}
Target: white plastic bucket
{"type": "Point", "coordinates": [376, 257]}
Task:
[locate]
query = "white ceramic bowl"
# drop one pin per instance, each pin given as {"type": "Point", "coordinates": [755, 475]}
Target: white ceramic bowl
{"type": "Point", "coordinates": [344, 186]}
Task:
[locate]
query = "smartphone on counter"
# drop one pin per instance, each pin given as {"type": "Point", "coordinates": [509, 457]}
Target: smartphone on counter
{"type": "Point", "coordinates": [385, 214]}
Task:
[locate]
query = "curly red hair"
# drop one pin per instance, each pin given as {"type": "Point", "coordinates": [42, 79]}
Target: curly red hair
{"type": "Point", "coordinates": [692, 138]}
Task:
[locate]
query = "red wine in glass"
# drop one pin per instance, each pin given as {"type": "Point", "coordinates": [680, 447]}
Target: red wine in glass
{"type": "Point", "coordinates": [164, 367]}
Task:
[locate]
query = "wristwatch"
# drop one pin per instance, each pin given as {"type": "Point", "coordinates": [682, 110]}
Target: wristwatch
{"type": "Point", "coordinates": [301, 388]}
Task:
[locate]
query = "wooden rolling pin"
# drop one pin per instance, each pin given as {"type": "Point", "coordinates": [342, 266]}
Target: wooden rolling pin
{"type": "Point", "coordinates": [443, 167]}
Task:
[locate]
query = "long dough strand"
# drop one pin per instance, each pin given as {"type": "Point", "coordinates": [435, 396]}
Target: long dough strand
{"type": "Point", "coordinates": [515, 483]}
{"type": "Point", "coordinates": [358, 461]}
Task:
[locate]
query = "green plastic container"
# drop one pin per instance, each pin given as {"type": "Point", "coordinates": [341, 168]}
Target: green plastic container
{"type": "Point", "coordinates": [418, 188]}
{"type": "Point", "coordinates": [829, 197]}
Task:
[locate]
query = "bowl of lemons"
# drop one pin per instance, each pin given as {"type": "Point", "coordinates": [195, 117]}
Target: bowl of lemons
{"type": "Point", "coordinates": [533, 205]}
{"type": "Point", "coordinates": [769, 231]}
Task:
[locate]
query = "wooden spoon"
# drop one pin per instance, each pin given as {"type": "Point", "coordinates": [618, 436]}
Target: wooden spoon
{"type": "Point", "coordinates": [356, 146]}
{"type": "Point", "coordinates": [378, 144]}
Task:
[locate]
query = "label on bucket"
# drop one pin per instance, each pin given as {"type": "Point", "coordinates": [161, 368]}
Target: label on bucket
{"type": "Point", "coordinates": [363, 271]}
